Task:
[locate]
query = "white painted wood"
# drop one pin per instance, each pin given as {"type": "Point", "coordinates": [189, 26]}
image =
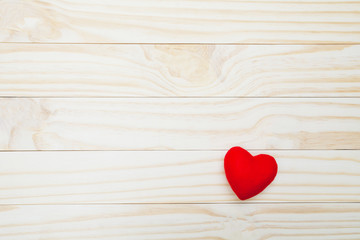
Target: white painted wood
{"type": "Point", "coordinates": [179, 123]}
{"type": "Point", "coordinates": [179, 70]}
{"type": "Point", "coordinates": [180, 21]}
{"type": "Point", "coordinates": [177, 221]}
{"type": "Point", "coordinates": [169, 177]}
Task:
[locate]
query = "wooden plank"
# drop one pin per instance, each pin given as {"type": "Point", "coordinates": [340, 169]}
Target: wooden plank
{"type": "Point", "coordinates": [190, 221]}
{"type": "Point", "coordinates": [170, 177]}
{"type": "Point", "coordinates": [179, 123]}
{"type": "Point", "coordinates": [180, 21]}
{"type": "Point", "coordinates": [179, 70]}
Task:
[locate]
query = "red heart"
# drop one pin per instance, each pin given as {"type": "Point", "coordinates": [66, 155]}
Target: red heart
{"type": "Point", "coordinates": [248, 175]}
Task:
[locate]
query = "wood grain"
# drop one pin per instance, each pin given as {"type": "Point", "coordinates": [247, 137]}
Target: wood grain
{"type": "Point", "coordinates": [170, 177]}
{"type": "Point", "coordinates": [179, 123]}
{"type": "Point", "coordinates": [234, 221]}
{"type": "Point", "coordinates": [231, 87]}
{"type": "Point", "coordinates": [179, 70]}
{"type": "Point", "coordinates": [180, 21]}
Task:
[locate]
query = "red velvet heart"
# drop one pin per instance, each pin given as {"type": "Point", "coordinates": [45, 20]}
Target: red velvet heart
{"type": "Point", "coordinates": [248, 175]}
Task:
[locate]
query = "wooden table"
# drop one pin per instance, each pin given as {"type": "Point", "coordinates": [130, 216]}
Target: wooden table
{"type": "Point", "coordinates": [115, 117]}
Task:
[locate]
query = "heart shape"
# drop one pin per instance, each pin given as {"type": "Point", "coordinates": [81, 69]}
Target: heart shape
{"type": "Point", "coordinates": [248, 175]}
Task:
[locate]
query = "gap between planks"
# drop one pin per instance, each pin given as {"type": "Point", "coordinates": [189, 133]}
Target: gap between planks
{"type": "Point", "coordinates": [239, 202]}
{"type": "Point", "coordinates": [180, 97]}
{"type": "Point", "coordinates": [195, 43]}
{"type": "Point", "coordinates": [176, 150]}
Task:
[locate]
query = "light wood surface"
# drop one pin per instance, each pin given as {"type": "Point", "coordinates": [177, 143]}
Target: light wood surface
{"type": "Point", "coordinates": [179, 123]}
{"type": "Point", "coordinates": [104, 138]}
{"type": "Point", "coordinates": [190, 221]}
{"type": "Point", "coordinates": [180, 21]}
{"type": "Point", "coordinates": [169, 177]}
{"type": "Point", "coordinates": [179, 70]}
